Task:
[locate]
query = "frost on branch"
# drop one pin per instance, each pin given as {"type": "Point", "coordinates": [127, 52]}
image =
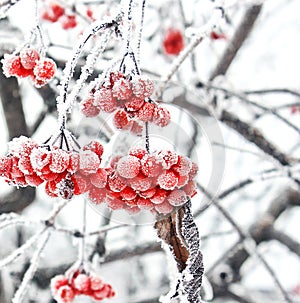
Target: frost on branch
{"type": "Point", "coordinates": [180, 233]}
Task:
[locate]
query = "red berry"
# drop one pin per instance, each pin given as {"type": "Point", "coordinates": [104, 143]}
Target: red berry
{"type": "Point", "coordinates": [182, 180]}
{"type": "Point", "coordinates": [57, 282]}
{"type": "Point", "coordinates": [65, 294]}
{"type": "Point", "coordinates": [142, 87]}
{"type": "Point", "coordinates": [115, 203]}
{"type": "Point", "coordinates": [150, 166]}
{"type": "Point", "coordinates": [159, 196]}
{"type": "Point", "coordinates": [105, 100]}
{"type": "Point", "coordinates": [99, 179]}
{"type": "Point", "coordinates": [122, 89]}
{"type": "Point", "coordinates": [37, 82]}
{"type": "Point", "coordinates": [121, 120]}
{"type": "Point", "coordinates": [183, 166]}
{"type": "Point", "coordinates": [190, 189]}
{"type": "Point", "coordinates": [89, 162]}
{"type": "Point", "coordinates": [44, 69]}
{"type": "Point", "coordinates": [193, 171]}
{"type": "Point", "coordinates": [49, 191]}
{"type": "Point", "coordinates": [88, 107]}
{"type": "Point", "coordinates": [21, 146]}
{"type": "Point", "coordinates": [68, 21]}
{"type": "Point", "coordinates": [167, 158]}
{"type": "Point", "coordinates": [128, 167]}
{"type": "Point", "coordinates": [57, 10]}
{"type": "Point", "coordinates": [60, 161]}
{"type": "Point", "coordinates": [137, 152]}
{"type": "Point", "coordinates": [12, 67]}
{"type": "Point", "coordinates": [80, 184]}
{"type": "Point", "coordinates": [39, 158]}
{"type": "Point", "coordinates": [33, 180]}
{"type": "Point", "coordinates": [115, 183]}
{"type": "Point", "coordinates": [167, 180]}
{"type": "Point", "coordinates": [173, 42]}
{"type": "Point", "coordinates": [177, 197]}
{"type": "Point", "coordinates": [134, 104]}
{"type": "Point", "coordinates": [28, 57]}
{"type": "Point", "coordinates": [97, 195]}
{"type": "Point", "coordinates": [96, 283]}
{"type": "Point", "coordinates": [146, 112]}
{"type": "Point", "coordinates": [148, 193]}
{"type": "Point", "coordinates": [143, 203]}
{"type": "Point", "coordinates": [128, 194]}
{"type": "Point", "coordinates": [82, 283]}
{"type": "Point", "coordinates": [5, 165]}
{"type": "Point", "coordinates": [161, 116]}
{"type": "Point", "coordinates": [74, 163]}
{"type": "Point", "coordinates": [164, 208]}
{"type": "Point", "coordinates": [96, 147]}
{"type": "Point", "coordinates": [141, 183]}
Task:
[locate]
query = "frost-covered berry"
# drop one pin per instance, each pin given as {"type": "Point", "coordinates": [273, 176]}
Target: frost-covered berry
{"type": "Point", "coordinates": [104, 292]}
{"type": "Point", "coordinates": [57, 282]}
{"type": "Point", "coordinates": [159, 196]}
{"type": "Point", "coordinates": [167, 180]}
{"type": "Point", "coordinates": [142, 87]}
{"type": "Point", "coordinates": [128, 194]}
{"type": "Point", "coordinates": [96, 147]}
{"type": "Point", "coordinates": [53, 13]}
{"type": "Point", "coordinates": [173, 42]}
{"type": "Point", "coordinates": [89, 162]}
{"type": "Point", "coordinates": [134, 104]}
{"type": "Point", "coordinates": [39, 158]}
{"type": "Point", "coordinates": [96, 283]}
{"type": "Point", "coordinates": [82, 283]}
{"type": "Point", "coordinates": [115, 183]}
{"type": "Point", "coordinates": [99, 179]}
{"type": "Point", "coordinates": [105, 100]}
{"type": "Point", "coordinates": [164, 208]}
{"type": "Point", "coordinates": [177, 197]}
{"type": "Point", "coordinates": [143, 203]}
{"type": "Point", "coordinates": [21, 146]}
{"type": "Point", "coordinates": [146, 112]}
{"type": "Point", "coordinates": [60, 161]}
{"type": "Point", "coordinates": [65, 294]}
{"type": "Point", "coordinates": [167, 158]}
{"type": "Point", "coordinates": [33, 180]}
{"type": "Point", "coordinates": [88, 107]}
{"type": "Point", "coordinates": [44, 69]}
{"type": "Point", "coordinates": [28, 57]}
{"type": "Point", "coordinates": [97, 195]}
{"type": "Point", "coordinates": [147, 194]}
{"type": "Point", "coordinates": [128, 167]}
{"type": "Point", "coordinates": [5, 165]}
{"type": "Point", "coordinates": [161, 116]}
{"type": "Point", "coordinates": [11, 65]}
{"type": "Point", "coordinates": [183, 166]}
{"type": "Point", "coordinates": [141, 183]}
{"type": "Point", "coordinates": [122, 89]}
{"type": "Point", "coordinates": [121, 120]}
{"type": "Point", "coordinates": [137, 152]}
{"type": "Point", "coordinates": [150, 166]}
{"type": "Point", "coordinates": [68, 21]}
{"type": "Point", "coordinates": [190, 189]}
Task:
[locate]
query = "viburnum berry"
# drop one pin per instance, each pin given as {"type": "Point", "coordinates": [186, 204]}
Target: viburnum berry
{"type": "Point", "coordinates": [167, 180]}
{"type": "Point", "coordinates": [121, 119]}
{"type": "Point", "coordinates": [33, 180]}
{"type": "Point", "coordinates": [99, 179]}
{"type": "Point", "coordinates": [161, 116]}
{"type": "Point", "coordinates": [96, 147]}
{"type": "Point", "coordinates": [164, 208]}
{"type": "Point", "coordinates": [44, 69]}
{"type": "Point", "coordinates": [177, 197]}
{"type": "Point", "coordinates": [167, 158]}
{"type": "Point", "coordinates": [159, 196]}
{"type": "Point", "coordinates": [96, 283]}
{"type": "Point", "coordinates": [11, 65]}
{"type": "Point", "coordinates": [142, 87]}
{"type": "Point", "coordinates": [60, 161]}
{"type": "Point", "coordinates": [82, 283]}
{"type": "Point", "coordinates": [65, 294]}
{"type": "Point", "coordinates": [137, 152]}
{"type": "Point", "coordinates": [173, 42]}
{"type": "Point", "coordinates": [134, 104]}
{"type": "Point", "coordinates": [57, 282]}
{"type": "Point", "coordinates": [88, 107]}
{"type": "Point", "coordinates": [147, 194]}
{"type": "Point", "coordinates": [183, 166]}
{"type": "Point", "coordinates": [80, 184]}
{"type": "Point", "coordinates": [39, 158]}
{"type": "Point", "coordinates": [128, 167]}
{"type": "Point", "coordinates": [115, 183]}
{"type": "Point", "coordinates": [122, 89]}
{"type": "Point", "coordinates": [150, 166]}
{"type": "Point", "coordinates": [143, 203]}
{"type": "Point", "coordinates": [68, 21]}
{"type": "Point", "coordinates": [128, 193]}
{"type": "Point", "coordinates": [190, 189]}
{"type": "Point", "coordinates": [5, 165]}
{"type": "Point", "coordinates": [53, 13]}
{"type": "Point", "coordinates": [104, 100]}
{"type": "Point", "coordinates": [89, 162]}
{"type": "Point", "coordinates": [28, 57]}
{"type": "Point", "coordinates": [21, 146]}
{"type": "Point", "coordinates": [141, 183]}
{"type": "Point", "coordinates": [146, 112]}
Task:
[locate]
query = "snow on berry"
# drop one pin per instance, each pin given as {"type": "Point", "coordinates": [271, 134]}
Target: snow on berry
{"type": "Point", "coordinates": [159, 196]}
{"type": "Point", "coordinates": [99, 179]}
{"type": "Point", "coordinates": [44, 69]}
{"type": "Point", "coordinates": [39, 158]}
{"type": "Point", "coordinates": [148, 193]}
{"type": "Point", "coordinates": [11, 65]}
{"type": "Point", "coordinates": [73, 163]}
{"type": "Point", "coordinates": [96, 147]}
{"type": "Point", "coordinates": [121, 120]}
{"type": "Point", "coordinates": [177, 197]}
{"type": "Point", "coordinates": [80, 184]}
{"type": "Point", "coordinates": [60, 161]}
{"type": "Point", "coordinates": [142, 87]}
{"type": "Point", "coordinates": [105, 100]}
{"type": "Point", "coordinates": [146, 112]}
{"type": "Point", "coordinates": [89, 162]}
{"type": "Point", "coordinates": [65, 294]}
{"type": "Point", "coordinates": [28, 57]}
{"type": "Point", "coordinates": [164, 208]}
{"type": "Point", "coordinates": [161, 116]}
{"type": "Point", "coordinates": [141, 183]}
{"type": "Point", "coordinates": [173, 42]}
{"type": "Point", "coordinates": [190, 189]}
{"type": "Point", "coordinates": [167, 158]}
{"type": "Point", "coordinates": [115, 183]}
{"type": "Point", "coordinates": [97, 195]}
{"type": "Point", "coordinates": [5, 165]}
{"type": "Point", "coordinates": [128, 167]}
{"type": "Point", "coordinates": [68, 21]}
{"type": "Point", "coordinates": [128, 194]}
{"type": "Point", "coordinates": [82, 283]}
{"type": "Point", "coordinates": [183, 166]}
{"type": "Point", "coordinates": [150, 166]}
{"type": "Point", "coordinates": [21, 146]}
{"type": "Point", "coordinates": [57, 282]}
{"type": "Point", "coordinates": [122, 89]}
{"type": "Point", "coordinates": [182, 180]}
{"type": "Point", "coordinates": [134, 104]}
{"type": "Point", "coordinates": [88, 107]}
{"type": "Point", "coordinates": [96, 283]}
{"type": "Point", "coordinates": [143, 203]}
{"type": "Point", "coordinates": [167, 180]}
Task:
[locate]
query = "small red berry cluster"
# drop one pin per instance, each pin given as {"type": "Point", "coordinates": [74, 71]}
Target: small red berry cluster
{"type": "Point", "coordinates": [129, 99]}
{"type": "Point", "coordinates": [29, 64]}
{"type": "Point", "coordinates": [55, 12]}
{"type": "Point", "coordinates": [173, 41]}
{"type": "Point", "coordinates": [158, 181]}
{"type": "Point", "coordinates": [64, 289]}
{"type": "Point", "coordinates": [65, 173]}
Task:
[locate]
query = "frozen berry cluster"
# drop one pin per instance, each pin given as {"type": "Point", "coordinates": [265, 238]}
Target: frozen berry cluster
{"type": "Point", "coordinates": [64, 288]}
{"type": "Point", "coordinates": [158, 182]}
{"type": "Point", "coordinates": [29, 63]}
{"type": "Point", "coordinates": [54, 12]}
{"type": "Point", "coordinates": [128, 98]}
{"type": "Point", "coordinates": [65, 173]}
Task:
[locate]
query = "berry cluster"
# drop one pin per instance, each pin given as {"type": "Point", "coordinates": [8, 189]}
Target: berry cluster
{"type": "Point", "coordinates": [65, 173]}
{"type": "Point", "coordinates": [128, 98]}
{"type": "Point", "coordinates": [158, 182]}
{"type": "Point", "coordinates": [173, 42]}
{"type": "Point", "coordinates": [55, 12]}
{"type": "Point", "coordinates": [64, 289]}
{"type": "Point", "coordinates": [29, 64]}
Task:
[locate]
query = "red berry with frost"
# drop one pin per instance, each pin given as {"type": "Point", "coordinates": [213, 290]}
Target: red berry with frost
{"type": "Point", "coordinates": [102, 293]}
{"type": "Point", "coordinates": [142, 87]}
{"type": "Point", "coordinates": [96, 283]}
{"type": "Point", "coordinates": [190, 189]}
{"type": "Point", "coordinates": [115, 76]}
{"type": "Point", "coordinates": [88, 107]}
{"type": "Point", "coordinates": [68, 21]}
{"type": "Point", "coordinates": [115, 183]}
{"type": "Point", "coordinates": [60, 161]}
{"type": "Point", "coordinates": [28, 57]}
{"type": "Point", "coordinates": [128, 194]}
{"type": "Point", "coordinates": [89, 162]}
{"type": "Point", "coordinates": [15, 171]}
{"type": "Point", "coordinates": [105, 100]}
{"type": "Point", "coordinates": [173, 42]}
{"type": "Point", "coordinates": [97, 195]}
{"type": "Point", "coordinates": [137, 152]}
{"type": "Point", "coordinates": [44, 69]}
{"type": "Point", "coordinates": [159, 196]}
{"type": "Point", "coordinates": [57, 10]}
{"type": "Point", "coordinates": [49, 191]}
{"type": "Point", "coordinates": [38, 82]}
{"type": "Point", "coordinates": [182, 180]}
{"type": "Point", "coordinates": [143, 203]}
{"type": "Point", "coordinates": [121, 120]}
{"type": "Point", "coordinates": [141, 183]}
{"type": "Point", "coordinates": [57, 282]}
{"type": "Point", "coordinates": [122, 89]}
{"type": "Point", "coordinates": [164, 208]}
{"type": "Point", "coordinates": [134, 104]}
{"type": "Point", "coordinates": [12, 67]}
{"type": "Point", "coordinates": [49, 176]}
{"type": "Point", "coordinates": [39, 158]}
{"type": "Point", "coordinates": [74, 163]}
{"type": "Point", "coordinates": [65, 294]}
{"type": "Point", "coordinates": [33, 180]}
{"type": "Point", "coordinates": [183, 166]}
{"type": "Point", "coordinates": [99, 179]}
{"type": "Point", "coordinates": [150, 166]}
{"type": "Point", "coordinates": [115, 203]}
{"type": "Point", "coordinates": [146, 112]}
{"type": "Point", "coordinates": [5, 165]}
{"type": "Point", "coordinates": [128, 167]}
{"type": "Point", "coordinates": [167, 180]}
{"type": "Point", "coordinates": [136, 128]}
{"type": "Point", "coordinates": [147, 194]}
{"type": "Point", "coordinates": [161, 116]}
{"type": "Point", "coordinates": [21, 146]}
{"type": "Point", "coordinates": [194, 170]}
{"type": "Point", "coordinates": [167, 158]}
{"type": "Point", "coordinates": [177, 197]}
{"type": "Point", "coordinates": [80, 184]}
{"type": "Point", "coordinates": [82, 283]}
{"type": "Point", "coordinates": [96, 147]}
